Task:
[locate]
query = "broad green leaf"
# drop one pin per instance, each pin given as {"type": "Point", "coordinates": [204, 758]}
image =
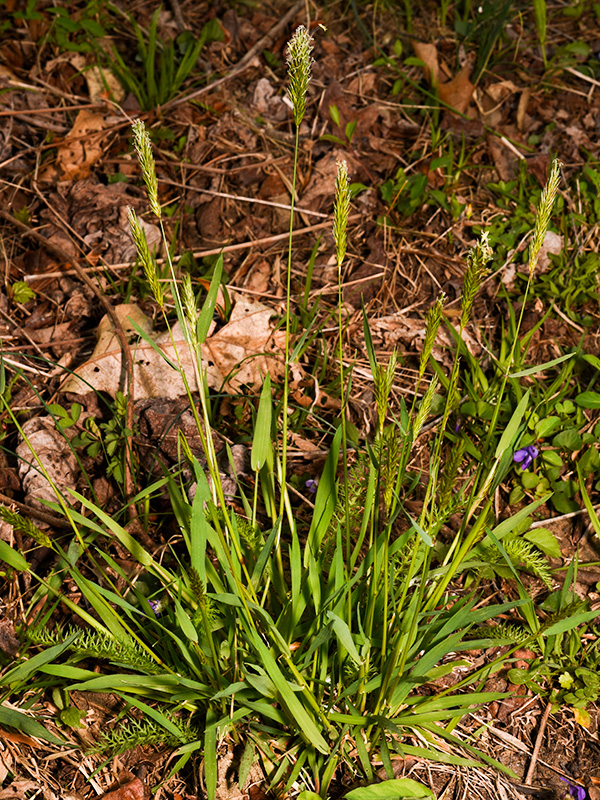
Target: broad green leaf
{"type": "Point", "coordinates": [210, 755]}
{"type": "Point", "coordinates": [588, 503]}
{"type": "Point", "coordinates": [569, 439]}
{"type": "Point", "coordinates": [126, 539]}
{"type": "Point", "coordinates": [12, 557]}
{"type": "Point", "coordinates": [261, 441]}
{"type": "Point", "coordinates": [293, 705]}
{"type": "Point", "coordinates": [11, 718]}
{"type": "Point", "coordinates": [394, 789]}
{"type": "Point", "coordinates": [423, 534]}
{"type": "Point", "coordinates": [546, 426]}
{"type": "Point", "coordinates": [588, 400]}
{"type": "Point", "coordinates": [509, 524]}
{"type": "Point", "coordinates": [24, 671]}
{"type": "Point", "coordinates": [155, 714]}
{"type": "Point", "coordinates": [342, 632]}
{"type": "Point", "coordinates": [512, 427]}
{"type": "Point", "coordinates": [208, 308]}
{"type": "Point", "coordinates": [185, 623]}
{"type": "Point", "coordinates": [540, 367]}
{"type": "Point", "coordinates": [593, 360]}
{"type": "Point", "coordinates": [545, 541]}
{"type": "Point", "coordinates": [568, 624]}
{"type": "Point", "coordinates": [369, 341]}
{"type": "Point", "coordinates": [246, 762]}
{"type": "Point", "coordinates": [148, 339]}
{"type": "Point", "coordinates": [325, 500]}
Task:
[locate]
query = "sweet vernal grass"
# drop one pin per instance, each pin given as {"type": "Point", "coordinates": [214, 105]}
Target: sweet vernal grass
{"type": "Point", "coordinates": [308, 647]}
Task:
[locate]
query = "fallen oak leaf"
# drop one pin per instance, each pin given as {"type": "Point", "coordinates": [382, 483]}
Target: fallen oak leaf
{"type": "Point", "coordinates": [134, 790]}
{"type": "Point", "coordinates": [457, 91]}
{"type": "Point", "coordinates": [239, 354]}
{"type": "Point", "coordinates": [81, 147]}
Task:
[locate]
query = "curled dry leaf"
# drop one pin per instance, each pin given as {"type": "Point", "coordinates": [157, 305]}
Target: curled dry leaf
{"type": "Point", "coordinates": [82, 146]}
{"type": "Point", "coordinates": [134, 790]}
{"type": "Point", "coordinates": [456, 92]}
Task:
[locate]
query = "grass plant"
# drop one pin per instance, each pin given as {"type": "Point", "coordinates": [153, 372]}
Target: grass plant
{"type": "Point", "coordinates": [315, 649]}
{"type": "Point", "coordinates": [165, 65]}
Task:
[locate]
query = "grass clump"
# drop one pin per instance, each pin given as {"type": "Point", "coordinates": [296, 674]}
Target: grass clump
{"type": "Point", "coordinates": [310, 646]}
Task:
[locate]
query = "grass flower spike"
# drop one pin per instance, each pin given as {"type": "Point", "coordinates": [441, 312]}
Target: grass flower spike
{"type": "Point", "coordinates": [147, 261]}
{"type": "Point", "coordinates": [476, 268]}
{"type": "Point", "coordinates": [143, 148]}
{"type": "Point", "coordinates": [299, 63]}
{"type": "Point", "coordinates": [432, 324]}
{"type": "Point", "coordinates": [341, 210]}
{"type": "Point", "coordinates": [543, 218]}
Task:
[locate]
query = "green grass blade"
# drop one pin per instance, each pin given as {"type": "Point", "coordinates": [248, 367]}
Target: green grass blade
{"type": "Point", "coordinates": [512, 428]}
{"type": "Point", "coordinates": [12, 557]}
{"type": "Point", "coordinates": [210, 755]}
{"type": "Point", "coordinates": [210, 302]}
{"type": "Point", "coordinates": [11, 718]}
{"type": "Point", "coordinates": [541, 367]}
{"type": "Point", "coordinates": [262, 439]}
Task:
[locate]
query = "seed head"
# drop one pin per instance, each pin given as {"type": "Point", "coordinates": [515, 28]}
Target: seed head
{"type": "Point", "coordinates": [341, 210]}
{"type": "Point", "coordinates": [476, 269]}
{"type": "Point", "coordinates": [143, 148]}
{"type": "Point", "coordinates": [189, 305]}
{"type": "Point", "coordinates": [545, 210]}
{"type": "Point", "coordinates": [147, 260]}
{"type": "Point", "coordinates": [432, 324]}
{"type": "Point", "coordinates": [299, 63]}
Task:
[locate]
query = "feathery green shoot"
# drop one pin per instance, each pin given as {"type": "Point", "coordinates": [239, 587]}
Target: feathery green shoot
{"type": "Point", "coordinates": [26, 526]}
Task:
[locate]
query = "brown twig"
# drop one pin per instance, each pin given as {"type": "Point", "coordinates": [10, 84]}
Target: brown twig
{"type": "Point", "coordinates": [229, 248]}
{"type": "Point", "coordinates": [538, 743]}
{"type": "Point", "coordinates": [30, 511]}
{"type": "Point", "coordinates": [246, 61]}
{"type": "Point", "coordinates": [26, 230]}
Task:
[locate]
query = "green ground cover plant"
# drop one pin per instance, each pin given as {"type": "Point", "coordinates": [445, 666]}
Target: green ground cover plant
{"type": "Point", "coordinates": [316, 648]}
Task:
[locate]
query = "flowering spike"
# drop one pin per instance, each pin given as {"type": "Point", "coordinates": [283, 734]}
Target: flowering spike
{"type": "Point", "coordinates": [476, 269]}
{"type": "Point", "coordinates": [189, 306]}
{"type": "Point", "coordinates": [425, 407]}
{"type": "Point", "coordinates": [543, 218]}
{"type": "Point", "coordinates": [148, 262]}
{"type": "Point", "coordinates": [341, 210]}
{"type": "Point", "coordinates": [432, 324]}
{"type": "Point", "coordinates": [384, 379]}
{"type": "Point", "coordinates": [143, 148]}
{"type": "Point", "coordinates": [299, 62]}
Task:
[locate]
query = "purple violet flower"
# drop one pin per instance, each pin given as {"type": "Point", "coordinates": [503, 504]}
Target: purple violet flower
{"type": "Point", "coordinates": [156, 606]}
{"type": "Point", "coordinates": [578, 792]}
{"type": "Point", "coordinates": [525, 456]}
{"type": "Point", "coordinates": [311, 484]}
